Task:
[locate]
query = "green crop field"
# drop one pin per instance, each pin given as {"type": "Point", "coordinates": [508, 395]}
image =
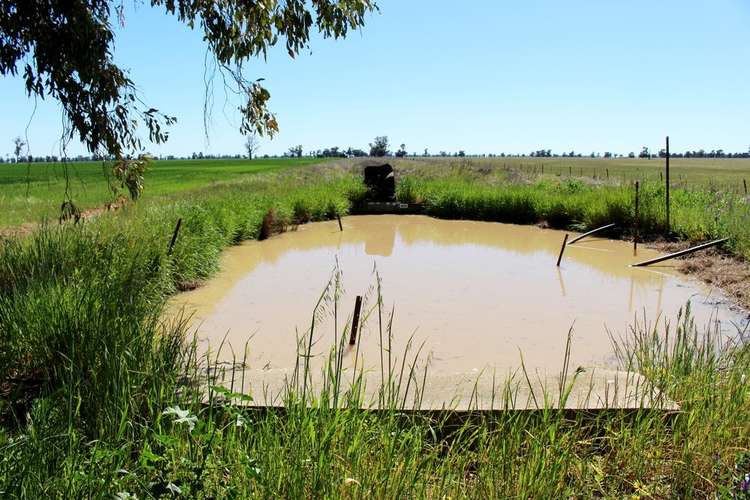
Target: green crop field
{"type": "Point", "coordinates": [31, 192]}
{"type": "Point", "coordinates": [101, 397]}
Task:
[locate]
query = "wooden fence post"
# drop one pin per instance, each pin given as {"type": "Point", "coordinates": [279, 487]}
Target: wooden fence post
{"type": "Point", "coordinates": [355, 320]}
{"type": "Point", "coordinates": [174, 236]}
{"type": "Point", "coordinates": [562, 250]}
{"type": "Point", "coordinates": [667, 176]}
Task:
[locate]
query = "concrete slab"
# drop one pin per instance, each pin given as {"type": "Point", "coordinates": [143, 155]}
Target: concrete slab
{"type": "Point", "coordinates": [589, 389]}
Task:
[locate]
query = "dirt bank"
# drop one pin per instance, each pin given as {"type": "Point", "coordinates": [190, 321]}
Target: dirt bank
{"type": "Point", "coordinates": [728, 273]}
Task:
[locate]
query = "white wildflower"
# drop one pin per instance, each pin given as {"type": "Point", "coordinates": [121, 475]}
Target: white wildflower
{"type": "Point", "coordinates": [183, 416]}
{"type": "Point", "coordinates": [124, 495]}
{"type": "Point", "coordinates": [174, 488]}
{"type": "Point", "coordinates": [240, 421]}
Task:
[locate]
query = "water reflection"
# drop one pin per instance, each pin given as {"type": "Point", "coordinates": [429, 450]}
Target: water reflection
{"type": "Point", "coordinates": [381, 242]}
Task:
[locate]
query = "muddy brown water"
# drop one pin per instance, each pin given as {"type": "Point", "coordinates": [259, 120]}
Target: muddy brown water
{"type": "Point", "coordinates": [475, 295]}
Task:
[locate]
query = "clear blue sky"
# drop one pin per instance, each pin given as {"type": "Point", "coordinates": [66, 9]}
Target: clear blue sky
{"type": "Point", "coordinates": [483, 76]}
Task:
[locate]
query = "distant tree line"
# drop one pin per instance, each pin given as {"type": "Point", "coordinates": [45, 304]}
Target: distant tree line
{"type": "Point", "coordinates": [714, 153]}
{"type": "Point", "coordinates": [336, 152]}
{"type": "Point", "coordinates": [380, 147]}
{"type": "Point", "coordinates": [644, 153]}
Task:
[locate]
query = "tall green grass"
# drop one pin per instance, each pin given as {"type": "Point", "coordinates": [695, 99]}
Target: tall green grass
{"type": "Point", "coordinates": [99, 396]}
{"type": "Point", "coordinates": [572, 203]}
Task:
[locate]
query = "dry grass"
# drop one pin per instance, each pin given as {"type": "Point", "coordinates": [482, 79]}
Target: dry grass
{"type": "Point", "coordinates": [731, 274]}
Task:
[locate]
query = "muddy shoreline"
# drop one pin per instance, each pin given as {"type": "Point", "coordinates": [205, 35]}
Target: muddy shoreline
{"type": "Point", "coordinates": [729, 274]}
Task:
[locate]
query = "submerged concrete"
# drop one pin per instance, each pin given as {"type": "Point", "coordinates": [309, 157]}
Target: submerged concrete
{"type": "Point", "coordinates": [474, 299]}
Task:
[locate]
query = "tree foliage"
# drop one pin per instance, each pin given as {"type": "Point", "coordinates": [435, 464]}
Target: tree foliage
{"type": "Point", "coordinates": [379, 146]}
{"type": "Point", "coordinates": [64, 51]}
{"type": "Point", "coordinates": [129, 174]}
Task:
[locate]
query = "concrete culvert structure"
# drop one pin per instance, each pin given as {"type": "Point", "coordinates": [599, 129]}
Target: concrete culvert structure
{"type": "Point", "coordinates": [381, 181]}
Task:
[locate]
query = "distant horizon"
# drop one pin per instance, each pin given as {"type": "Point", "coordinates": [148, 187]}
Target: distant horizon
{"type": "Point", "coordinates": [688, 154]}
